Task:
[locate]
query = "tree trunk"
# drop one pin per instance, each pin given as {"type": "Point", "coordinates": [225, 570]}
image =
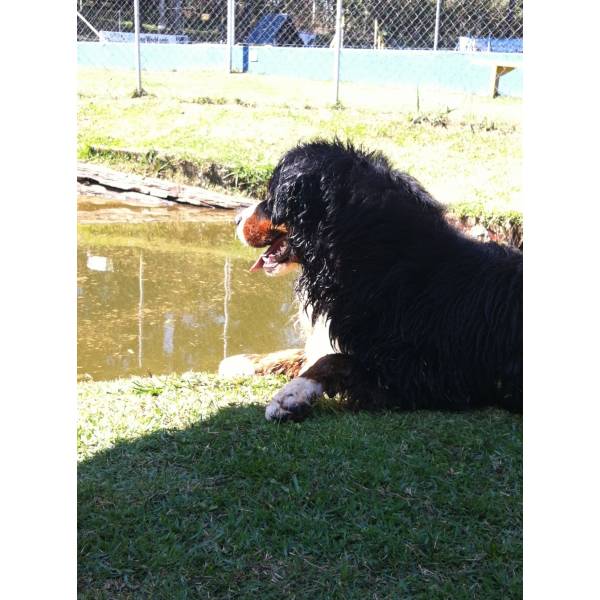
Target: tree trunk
{"type": "Point", "coordinates": [161, 16]}
{"type": "Point", "coordinates": [178, 25]}
{"type": "Point", "coordinates": [510, 13]}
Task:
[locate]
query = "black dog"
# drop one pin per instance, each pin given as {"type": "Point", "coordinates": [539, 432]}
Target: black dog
{"type": "Point", "coordinates": [423, 316]}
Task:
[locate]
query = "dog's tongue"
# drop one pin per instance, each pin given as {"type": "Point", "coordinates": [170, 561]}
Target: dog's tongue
{"type": "Point", "coordinates": [258, 265]}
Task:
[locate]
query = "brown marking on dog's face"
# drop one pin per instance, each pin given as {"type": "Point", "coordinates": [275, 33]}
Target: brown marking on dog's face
{"type": "Point", "coordinates": [257, 230]}
{"type": "Point", "coordinates": [254, 228]}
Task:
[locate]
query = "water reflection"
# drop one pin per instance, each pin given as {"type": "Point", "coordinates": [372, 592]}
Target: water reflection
{"type": "Point", "coordinates": [171, 297]}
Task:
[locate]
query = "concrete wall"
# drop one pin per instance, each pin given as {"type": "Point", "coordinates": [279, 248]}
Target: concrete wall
{"type": "Point", "coordinates": [458, 71]}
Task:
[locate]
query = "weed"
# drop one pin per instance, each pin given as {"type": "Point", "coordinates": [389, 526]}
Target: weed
{"type": "Point", "coordinates": [142, 387]}
{"type": "Point", "coordinates": [139, 93]}
{"type": "Point", "coordinates": [435, 119]}
{"type": "Point", "coordinates": [209, 100]}
{"type": "Point", "coordinates": [241, 102]}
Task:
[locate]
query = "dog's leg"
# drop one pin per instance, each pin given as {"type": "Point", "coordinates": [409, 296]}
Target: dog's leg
{"type": "Point", "coordinates": [331, 374]}
{"type": "Point", "coordinates": [294, 400]}
{"type": "Point", "coordinates": [285, 362]}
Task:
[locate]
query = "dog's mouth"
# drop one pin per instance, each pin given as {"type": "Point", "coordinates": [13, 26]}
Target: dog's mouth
{"type": "Point", "coordinates": [277, 254]}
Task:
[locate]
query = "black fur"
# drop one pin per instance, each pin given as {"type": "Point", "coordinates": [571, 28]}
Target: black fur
{"type": "Point", "coordinates": [428, 317]}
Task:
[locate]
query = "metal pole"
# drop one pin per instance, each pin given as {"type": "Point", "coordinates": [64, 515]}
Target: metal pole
{"type": "Point", "coordinates": [138, 61]}
{"type": "Point", "coordinates": [375, 33]}
{"type": "Point", "coordinates": [230, 34]}
{"type": "Point", "coordinates": [337, 45]}
{"type": "Point", "coordinates": [436, 34]}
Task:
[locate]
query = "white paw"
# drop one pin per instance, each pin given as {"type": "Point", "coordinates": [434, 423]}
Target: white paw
{"type": "Point", "coordinates": [294, 400]}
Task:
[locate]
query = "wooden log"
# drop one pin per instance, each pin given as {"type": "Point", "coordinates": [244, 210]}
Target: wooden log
{"type": "Point", "coordinates": [95, 175]}
{"type": "Point", "coordinates": [135, 199]}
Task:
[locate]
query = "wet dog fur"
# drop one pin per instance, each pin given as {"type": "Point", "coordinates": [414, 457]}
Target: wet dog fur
{"type": "Point", "coordinates": [422, 316]}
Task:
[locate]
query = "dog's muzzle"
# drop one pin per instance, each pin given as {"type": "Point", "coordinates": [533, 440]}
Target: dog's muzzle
{"type": "Point", "coordinates": [254, 228]}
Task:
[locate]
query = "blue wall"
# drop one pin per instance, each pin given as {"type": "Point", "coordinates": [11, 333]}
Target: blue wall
{"type": "Point", "coordinates": [116, 55]}
{"type": "Point", "coordinates": [447, 69]}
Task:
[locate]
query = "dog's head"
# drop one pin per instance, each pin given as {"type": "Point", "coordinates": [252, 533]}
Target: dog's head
{"type": "Point", "coordinates": [306, 195]}
{"type": "Point", "coordinates": [334, 209]}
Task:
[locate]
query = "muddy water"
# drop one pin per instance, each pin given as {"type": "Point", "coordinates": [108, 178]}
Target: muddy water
{"type": "Point", "coordinates": [172, 294]}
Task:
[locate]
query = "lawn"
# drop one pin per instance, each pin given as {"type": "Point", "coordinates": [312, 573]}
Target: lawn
{"type": "Point", "coordinates": [185, 491]}
{"type": "Point", "coordinates": [230, 130]}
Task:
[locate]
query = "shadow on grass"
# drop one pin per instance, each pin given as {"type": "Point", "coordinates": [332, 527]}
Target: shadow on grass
{"type": "Point", "coordinates": [385, 505]}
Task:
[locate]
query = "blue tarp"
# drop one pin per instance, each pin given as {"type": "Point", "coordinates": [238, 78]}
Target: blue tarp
{"type": "Point", "coordinates": [267, 29]}
{"type": "Point", "coordinates": [489, 44]}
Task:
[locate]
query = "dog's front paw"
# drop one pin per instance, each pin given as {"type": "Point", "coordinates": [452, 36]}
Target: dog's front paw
{"type": "Point", "coordinates": [294, 400]}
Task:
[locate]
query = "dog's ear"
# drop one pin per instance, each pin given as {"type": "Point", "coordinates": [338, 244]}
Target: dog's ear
{"type": "Point", "coordinates": [294, 191]}
{"type": "Point", "coordinates": [308, 179]}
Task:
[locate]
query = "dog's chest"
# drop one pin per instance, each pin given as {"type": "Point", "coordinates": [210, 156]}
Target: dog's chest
{"type": "Point", "coordinates": [317, 339]}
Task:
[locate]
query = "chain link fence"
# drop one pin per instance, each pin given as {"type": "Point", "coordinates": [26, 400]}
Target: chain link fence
{"type": "Point", "coordinates": [161, 21]}
{"type": "Point", "coordinates": [449, 44]}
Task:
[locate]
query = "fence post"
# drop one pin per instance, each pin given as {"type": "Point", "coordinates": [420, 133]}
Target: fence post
{"type": "Point", "coordinates": [230, 34]}
{"type": "Point", "coordinates": [436, 34]}
{"type": "Point", "coordinates": [337, 44]}
{"type": "Point", "coordinates": [138, 62]}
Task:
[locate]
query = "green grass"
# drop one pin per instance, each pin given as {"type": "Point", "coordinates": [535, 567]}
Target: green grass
{"type": "Point", "coordinates": [185, 491]}
{"type": "Point", "coordinates": [229, 131]}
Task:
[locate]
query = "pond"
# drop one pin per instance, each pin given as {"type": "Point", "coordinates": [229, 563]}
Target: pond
{"type": "Point", "coordinates": [168, 291]}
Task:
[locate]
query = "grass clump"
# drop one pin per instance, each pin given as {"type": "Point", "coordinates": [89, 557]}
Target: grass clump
{"type": "Point", "coordinates": [435, 119]}
{"type": "Point", "coordinates": [139, 93]}
{"type": "Point", "coordinates": [186, 491]}
{"type": "Point", "coordinates": [208, 100]}
{"type": "Point", "coordinates": [488, 217]}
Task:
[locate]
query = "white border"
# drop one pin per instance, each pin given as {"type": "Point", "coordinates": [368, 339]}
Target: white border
{"type": "Point", "coordinates": [562, 301]}
{"type": "Point", "coordinates": [39, 302]}
{"type": "Point", "coordinates": [561, 294]}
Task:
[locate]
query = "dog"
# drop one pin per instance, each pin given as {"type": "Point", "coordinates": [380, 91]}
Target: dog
{"type": "Point", "coordinates": [419, 315]}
